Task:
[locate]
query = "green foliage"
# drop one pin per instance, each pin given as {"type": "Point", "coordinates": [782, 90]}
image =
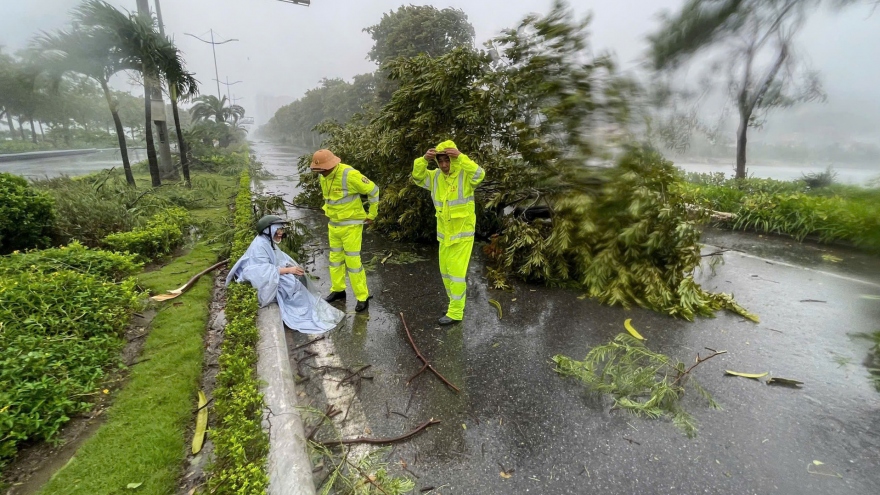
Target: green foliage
{"type": "Point", "coordinates": [530, 120]}
{"type": "Point", "coordinates": [59, 331]}
{"type": "Point", "coordinates": [832, 213]}
{"type": "Point", "coordinates": [89, 209]}
{"type": "Point", "coordinates": [144, 435]}
{"type": "Point", "coordinates": [628, 242]}
{"type": "Point", "coordinates": [366, 475]}
{"type": "Point", "coordinates": [334, 100]}
{"type": "Point", "coordinates": [816, 180]}
{"type": "Point", "coordinates": [639, 380]}
{"type": "Point", "coordinates": [873, 359]}
{"type": "Point", "coordinates": [240, 444]}
{"type": "Point", "coordinates": [24, 146]}
{"type": "Point", "coordinates": [161, 235]}
{"type": "Point", "coordinates": [413, 29]}
{"type": "Point", "coordinates": [92, 207]}
{"type": "Point", "coordinates": [104, 265]}
{"type": "Point", "coordinates": [26, 215]}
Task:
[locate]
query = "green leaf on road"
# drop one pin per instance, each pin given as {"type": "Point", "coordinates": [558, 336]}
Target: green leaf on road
{"type": "Point", "coordinates": [746, 375]}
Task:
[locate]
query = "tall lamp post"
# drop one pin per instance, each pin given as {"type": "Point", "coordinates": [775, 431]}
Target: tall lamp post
{"type": "Point", "coordinates": [213, 49]}
{"type": "Point", "coordinates": [227, 83]}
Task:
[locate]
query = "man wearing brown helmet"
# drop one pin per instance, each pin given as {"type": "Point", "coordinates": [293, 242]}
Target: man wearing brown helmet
{"type": "Point", "coordinates": [342, 187]}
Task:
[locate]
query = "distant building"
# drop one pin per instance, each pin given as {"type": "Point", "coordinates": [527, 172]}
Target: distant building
{"type": "Point", "coordinates": [267, 105]}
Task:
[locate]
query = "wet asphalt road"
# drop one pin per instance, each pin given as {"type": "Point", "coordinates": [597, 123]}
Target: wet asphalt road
{"type": "Point", "coordinates": [515, 414]}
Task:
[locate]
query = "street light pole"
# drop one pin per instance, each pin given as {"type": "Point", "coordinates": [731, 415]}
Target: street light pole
{"type": "Point", "coordinates": [213, 45]}
{"type": "Point", "coordinates": [227, 83]}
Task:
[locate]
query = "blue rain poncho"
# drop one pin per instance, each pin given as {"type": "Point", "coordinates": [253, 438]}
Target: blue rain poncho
{"type": "Point", "coordinates": [302, 307]}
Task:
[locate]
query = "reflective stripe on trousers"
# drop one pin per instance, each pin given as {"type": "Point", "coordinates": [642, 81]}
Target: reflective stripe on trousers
{"type": "Point", "coordinates": [454, 259]}
{"type": "Point", "coordinates": [345, 257]}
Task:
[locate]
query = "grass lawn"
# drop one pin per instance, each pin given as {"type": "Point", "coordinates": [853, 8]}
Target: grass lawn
{"type": "Point", "coordinates": [143, 440]}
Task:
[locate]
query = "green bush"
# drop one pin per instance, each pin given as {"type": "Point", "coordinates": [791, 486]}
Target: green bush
{"type": "Point", "coordinates": [105, 265]}
{"type": "Point", "coordinates": [831, 213]}
{"type": "Point", "coordinates": [26, 215]}
{"type": "Point", "coordinates": [24, 146]}
{"type": "Point", "coordinates": [59, 332]}
{"type": "Point", "coordinates": [628, 242]}
{"type": "Point", "coordinates": [88, 208]}
{"type": "Point", "coordinates": [161, 235]}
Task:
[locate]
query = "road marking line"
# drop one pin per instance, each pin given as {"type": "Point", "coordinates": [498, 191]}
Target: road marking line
{"type": "Point", "coordinates": [789, 265]}
{"type": "Point", "coordinates": [344, 398]}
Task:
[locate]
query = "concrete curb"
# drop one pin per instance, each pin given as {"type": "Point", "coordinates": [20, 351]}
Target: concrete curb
{"type": "Point", "coordinates": [288, 465]}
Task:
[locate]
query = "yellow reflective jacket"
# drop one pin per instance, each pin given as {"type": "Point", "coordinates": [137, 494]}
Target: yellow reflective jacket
{"type": "Point", "coordinates": [453, 194]}
{"type": "Point", "coordinates": [342, 191]}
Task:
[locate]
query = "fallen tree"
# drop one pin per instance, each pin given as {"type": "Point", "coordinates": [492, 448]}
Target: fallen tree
{"type": "Point", "coordinates": [539, 112]}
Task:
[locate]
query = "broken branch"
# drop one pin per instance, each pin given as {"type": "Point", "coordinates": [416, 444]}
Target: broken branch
{"type": "Point", "coordinates": [308, 343]}
{"type": "Point", "coordinates": [383, 441]}
{"type": "Point", "coordinates": [699, 362]}
{"type": "Point", "coordinates": [185, 287]}
{"type": "Point", "coordinates": [426, 363]}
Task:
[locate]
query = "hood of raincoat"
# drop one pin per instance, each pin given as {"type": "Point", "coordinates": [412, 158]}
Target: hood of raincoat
{"type": "Point", "coordinates": [453, 165]}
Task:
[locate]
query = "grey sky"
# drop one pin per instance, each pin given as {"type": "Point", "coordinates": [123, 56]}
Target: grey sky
{"type": "Point", "coordinates": [286, 49]}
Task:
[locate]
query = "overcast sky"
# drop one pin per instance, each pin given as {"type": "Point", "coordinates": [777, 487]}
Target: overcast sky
{"type": "Point", "coordinates": [285, 49]}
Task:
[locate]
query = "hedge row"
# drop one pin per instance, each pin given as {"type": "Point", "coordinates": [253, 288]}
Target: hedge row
{"type": "Point", "coordinates": [161, 235]}
{"type": "Point", "coordinates": [61, 322]}
{"type": "Point", "coordinates": [841, 213]}
{"type": "Point", "coordinates": [240, 444]}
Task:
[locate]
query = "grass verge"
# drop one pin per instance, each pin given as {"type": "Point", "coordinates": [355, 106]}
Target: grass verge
{"type": "Point", "coordinates": [143, 439]}
{"type": "Point", "coordinates": [832, 213]}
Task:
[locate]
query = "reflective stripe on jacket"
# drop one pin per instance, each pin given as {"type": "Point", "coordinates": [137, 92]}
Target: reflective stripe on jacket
{"type": "Point", "coordinates": [452, 194]}
{"type": "Point", "coordinates": [342, 191]}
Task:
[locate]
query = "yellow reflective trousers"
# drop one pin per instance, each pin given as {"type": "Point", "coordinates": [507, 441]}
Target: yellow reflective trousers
{"type": "Point", "coordinates": [454, 260]}
{"type": "Point", "coordinates": [345, 256]}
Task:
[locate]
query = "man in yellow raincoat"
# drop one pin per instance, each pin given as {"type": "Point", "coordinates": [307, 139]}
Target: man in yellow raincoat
{"type": "Point", "coordinates": [452, 186]}
{"type": "Point", "coordinates": [342, 187]}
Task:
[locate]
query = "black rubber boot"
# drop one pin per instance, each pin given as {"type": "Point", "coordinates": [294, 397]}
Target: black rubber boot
{"type": "Point", "coordinates": [362, 305]}
{"type": "Point", "coordinates": [335, 296]}
{"type": "Point", "coordinates": [445, 320]}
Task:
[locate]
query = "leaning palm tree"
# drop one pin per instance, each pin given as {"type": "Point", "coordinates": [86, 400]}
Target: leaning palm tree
{"type": "Point", "coordinates": [134, 37]}
{"type": "Point", "coordinates": [90, 52]}
{"type": "Point", "coordinates": [181, 85]}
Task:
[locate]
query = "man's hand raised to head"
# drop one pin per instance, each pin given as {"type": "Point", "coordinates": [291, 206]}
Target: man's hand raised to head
{"type": "Point", "coordinates": [430, 154]}
{"type": "Point", "coordinates": [452, 152]}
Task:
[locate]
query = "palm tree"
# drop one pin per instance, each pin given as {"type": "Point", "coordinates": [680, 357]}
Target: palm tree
{"type": "Point", "coordinates": [135, 39]}
{"type": "Point", "coordinates": [181, 84]}
{"type": "Point", "coordinates": [208, 107]}
{"type": "Point", "coordinates": [90, 52]}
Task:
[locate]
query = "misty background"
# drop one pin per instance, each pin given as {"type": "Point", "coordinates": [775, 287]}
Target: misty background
{"type": "Point", "coordinates": [284, 49]}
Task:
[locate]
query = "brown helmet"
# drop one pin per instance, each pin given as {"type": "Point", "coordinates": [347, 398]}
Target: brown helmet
{"type": "Point", "coordinates": [324, 160]}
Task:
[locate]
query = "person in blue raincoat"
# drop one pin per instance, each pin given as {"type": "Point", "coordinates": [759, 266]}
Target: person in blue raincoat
{"type": "Point", "coordinates": [277, 277]}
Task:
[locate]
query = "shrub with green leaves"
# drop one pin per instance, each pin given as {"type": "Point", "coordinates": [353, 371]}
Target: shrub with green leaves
{"type": "Point", "coordinates": [641, 381]}
{"type": "Point", "coordinates": [89, 208]}
{"type": "Point", "coordinates": [161, 235]}
{"type": "Point", "coordinates": [105, 265]}
{"type": "Point", "coordinates": [26, 215]}
{"type": "Point", "coordinates": [59, 332]}
{"type": "Point", "coordinates": [832, 213]}
{"type": "Point", "coordinates": [628, 242]}
{"type": "Point", "coordinates": [532, 120]}
{"type": "Point", "coordinates": [240, 444]}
